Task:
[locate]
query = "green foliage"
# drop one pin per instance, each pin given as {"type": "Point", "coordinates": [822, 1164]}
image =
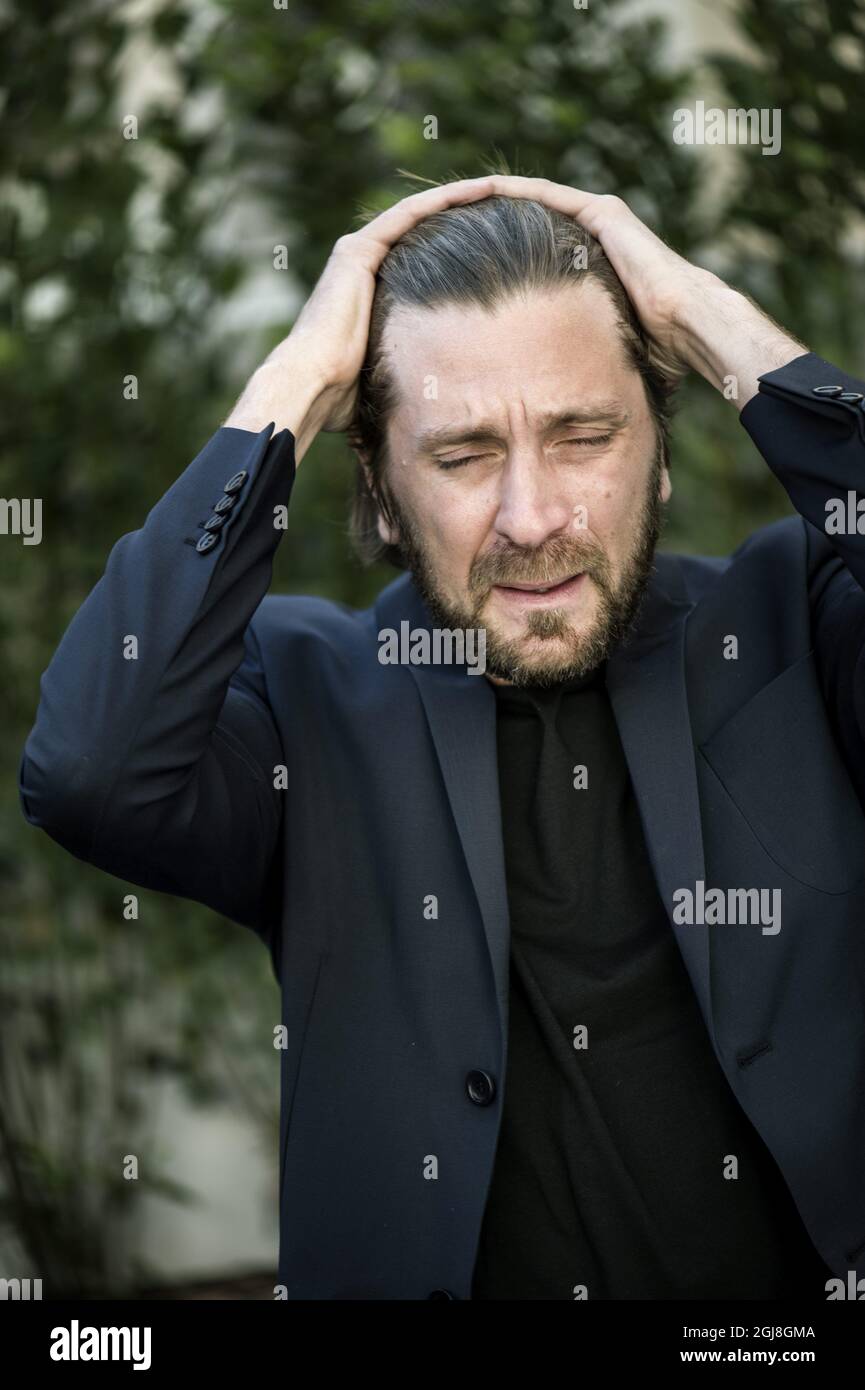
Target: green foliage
{"type": "Point", "coordinates": [259, 126]}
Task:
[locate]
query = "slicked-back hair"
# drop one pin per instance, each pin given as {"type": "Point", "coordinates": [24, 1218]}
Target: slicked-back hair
{"type": "Point", "coordinates": [478, 255]}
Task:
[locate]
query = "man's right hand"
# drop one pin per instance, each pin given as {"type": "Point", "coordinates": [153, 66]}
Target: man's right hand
{"type": "Point", "coordinates": [309, 381]}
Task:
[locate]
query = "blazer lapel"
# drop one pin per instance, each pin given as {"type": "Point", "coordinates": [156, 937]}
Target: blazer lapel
{"type": "Point", "coordinates": [647, 689]}
{"type": "Point", "coordinates": [461, 713]}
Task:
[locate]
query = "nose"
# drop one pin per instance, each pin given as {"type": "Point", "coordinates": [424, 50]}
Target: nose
{"type": "Point", "coordinates": [532, 503]}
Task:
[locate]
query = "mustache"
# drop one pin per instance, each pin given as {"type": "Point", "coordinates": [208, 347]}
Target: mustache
{"type": "Point", "coordinates": [550, 563]}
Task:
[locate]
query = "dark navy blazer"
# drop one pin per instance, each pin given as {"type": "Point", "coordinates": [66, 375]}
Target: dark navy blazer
{"type": "Point", "coordinates": [167, 771]}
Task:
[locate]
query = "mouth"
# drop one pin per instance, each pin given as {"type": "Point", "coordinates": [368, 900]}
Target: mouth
{"type": "Point", "coordinates": [537, 595]}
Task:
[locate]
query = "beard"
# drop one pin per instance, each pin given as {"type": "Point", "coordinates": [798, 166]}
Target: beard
{"type": "Point", "coordinates": [550, 650]}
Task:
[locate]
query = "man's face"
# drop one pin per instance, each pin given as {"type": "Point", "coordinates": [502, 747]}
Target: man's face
{"type": "Point", "coordinates": [524, 475]}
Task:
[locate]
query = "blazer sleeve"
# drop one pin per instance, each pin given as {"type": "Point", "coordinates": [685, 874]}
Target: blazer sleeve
{"type": "Point", "coordinates": [154, 747]}
{"type": "Point", "coordinates": [808, 422]}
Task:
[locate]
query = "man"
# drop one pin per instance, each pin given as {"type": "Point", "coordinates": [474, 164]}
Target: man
{"type": "Point", "coordinates": [570, 941]}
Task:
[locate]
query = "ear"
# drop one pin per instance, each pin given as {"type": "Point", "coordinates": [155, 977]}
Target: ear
{"type": "Point", "coordinates": [666, 485]}
{"type": "Point", "coordinates": [388, 534]}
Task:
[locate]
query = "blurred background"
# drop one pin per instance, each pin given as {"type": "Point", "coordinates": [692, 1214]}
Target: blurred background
{"type": "Point", "coordinates": [156, 158]}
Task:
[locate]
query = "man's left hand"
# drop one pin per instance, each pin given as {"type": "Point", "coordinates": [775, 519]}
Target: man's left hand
{"type": "Point", "coordinates": [688, 311]}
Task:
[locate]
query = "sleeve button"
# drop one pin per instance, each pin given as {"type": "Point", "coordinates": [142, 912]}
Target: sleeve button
{"type": "Point", "coordinates": [236, 483]}
{"type": "Point", "coordinates": [207, 542]}
{"type": "Point", "coordinates": [225, 504]}
{"type": "Point", "coordinates": [826, 390]}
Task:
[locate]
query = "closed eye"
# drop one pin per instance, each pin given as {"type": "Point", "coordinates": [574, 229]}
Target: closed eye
{"type": "Point", "coordinates": [596, 439]}
{"type": "Point", "coordinates": [458, 462]}
{"type": "Point", "coordinates": [584, 440]}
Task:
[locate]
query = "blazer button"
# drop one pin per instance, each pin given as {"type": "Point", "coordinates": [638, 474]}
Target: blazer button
{"type": "Point", "coordinates": [826, 390]}
{"type": "Point", "coordinates": [214, 522]}
{"type": "Point", "coordinates": [440, 1293]}
{"type": "Point", "coordinates": [207, 542]}
{"type": "Point", "coordinates": [236, 483]}
{"type": "Point", "coordinates": [225, 503]}
{"type": "Point", "coordinates": [481, 1087]}
{"type": "Point", "coordinates": [851, 397]}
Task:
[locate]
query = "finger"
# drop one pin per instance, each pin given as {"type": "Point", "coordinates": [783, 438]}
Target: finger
{"type": "Point", "coordinates": [395, 221]}
{"type": "Point", "coordinates": [594, 211]}
{"type": "Point", "coordinates": [558, 196]}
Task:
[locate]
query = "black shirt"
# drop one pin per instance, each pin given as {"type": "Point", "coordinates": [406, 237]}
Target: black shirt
{"type": "Point", "coordinates": [609, 1171]}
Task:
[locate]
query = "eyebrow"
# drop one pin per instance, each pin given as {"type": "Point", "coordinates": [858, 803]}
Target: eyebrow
{"type": "Point", "coordinates": [609, 413]}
